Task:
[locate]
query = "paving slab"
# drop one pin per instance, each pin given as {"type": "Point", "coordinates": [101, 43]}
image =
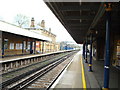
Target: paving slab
{"type": "Point", "coordinates": [72, 78]}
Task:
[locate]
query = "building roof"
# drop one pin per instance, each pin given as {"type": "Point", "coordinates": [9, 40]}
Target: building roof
{"type": "Point", "coordinates": [34, 28]}
{"type": "Point", "coordinates": [7, 27]}
{"type": "Point", "coordinates": [82, 18]}
{"type": "Point", "coordinates": [37, 28]}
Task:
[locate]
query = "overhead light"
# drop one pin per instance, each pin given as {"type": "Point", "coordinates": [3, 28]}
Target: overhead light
{"type": "Point", "coordinates": [96, 32]}
{"type": "Point", "coordinates": [80, 20]}
{"type": "Point", "coordinates": [80, 2]}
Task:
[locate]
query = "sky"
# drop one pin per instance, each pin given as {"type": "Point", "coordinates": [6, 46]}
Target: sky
{"type": "Point", "coordinates": [33, 8]}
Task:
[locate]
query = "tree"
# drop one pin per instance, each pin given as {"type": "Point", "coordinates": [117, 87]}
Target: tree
{"type": "Point", "coordinates": [1, 18]}
{"type": "Point", "coordinates": [21, 20]}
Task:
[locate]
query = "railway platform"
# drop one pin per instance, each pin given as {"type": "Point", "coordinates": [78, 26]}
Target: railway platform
{"type": "Point", "coordinates": [10, 63]}
{"type": "Point", "coordinates": [23, 77]}
{"type": "Point", "coordinates": [13, 58]}
{"type": "Point", "coordinates": [74, 76]}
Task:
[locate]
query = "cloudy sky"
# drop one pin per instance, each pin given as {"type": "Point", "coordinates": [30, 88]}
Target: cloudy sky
{"type": "Point", "coordinates": [33, 8]}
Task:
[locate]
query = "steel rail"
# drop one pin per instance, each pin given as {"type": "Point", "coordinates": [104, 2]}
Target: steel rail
{"type": "Point", "coordinates": [24, 82]}
{"type": "Point", "coordinates": [15, 79]}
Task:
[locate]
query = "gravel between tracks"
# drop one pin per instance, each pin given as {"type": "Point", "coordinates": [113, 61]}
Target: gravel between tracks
{"type": "Point", "coordinates": [46, 80]}
{"type": "Point", "coordinates": [19, 72]}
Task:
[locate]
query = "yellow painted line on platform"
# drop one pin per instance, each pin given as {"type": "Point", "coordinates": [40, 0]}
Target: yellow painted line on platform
{"type": "Point", "coordinates": [83, 75]}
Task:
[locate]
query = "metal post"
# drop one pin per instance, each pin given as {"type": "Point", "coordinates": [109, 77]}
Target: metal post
{"type": "Point", "coordinates": [34, 47]}
{"type": "Point", "coordinates": [90, 62]}
{"type": "Point", "coordinates": [86, 51]}
{"type": "Point", "coordinates": [22, 47]}
{"type": "Point", "coordinates": [107, 51]}
{"type": "Point", "coordinates": [11, 65]}
{"type": "Point", "coordinates": [31, 51]}
{"type": "Point", "coordinates": [83, 50]}
{"type": "Point", "coordinates": [43, 47]}
{"type": "Point", "coordinates": [3, 48]}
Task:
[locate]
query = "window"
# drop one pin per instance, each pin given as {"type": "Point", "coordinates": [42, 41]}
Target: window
{"type": "Point", "coordinates": [11, 45]}
{"type": "Point", "coordinates": [18, 45]}
{"type": "Point", "coordinates": [28, 45]}
{"type": "Point", "coordinates": [24, 42]}
{"type": "Point", "coordinates": [118, 53]}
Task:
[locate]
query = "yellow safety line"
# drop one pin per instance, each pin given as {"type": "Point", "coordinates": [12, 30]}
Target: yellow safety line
{"type": "Point", "coordinates": [83, 76]}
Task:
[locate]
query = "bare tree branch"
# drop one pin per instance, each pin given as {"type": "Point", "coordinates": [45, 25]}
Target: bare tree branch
{"type": "Point", "coordinates": [21, 20]}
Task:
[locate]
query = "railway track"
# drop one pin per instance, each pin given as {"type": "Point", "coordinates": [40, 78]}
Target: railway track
{"type": "Point", "coordinates": [14, 73]}
{"type": "Point", "coordinates": [45, 82]}
{"type": "Point", "coordinates": [23, 82]}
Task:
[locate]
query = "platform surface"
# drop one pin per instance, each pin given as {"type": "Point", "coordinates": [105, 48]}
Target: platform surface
{"type": "Point", "coordinates": [14, 58]}
{"type": "Point", "coordinates": [72, 76]}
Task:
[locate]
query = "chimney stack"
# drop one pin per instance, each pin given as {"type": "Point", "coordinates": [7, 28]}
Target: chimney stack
{"type": "Point", "coordinates": [42, 24]}
{"type": "Point", "coordinates": [32, 22]}
{"type": "Point", "coordinates": [50, 30]}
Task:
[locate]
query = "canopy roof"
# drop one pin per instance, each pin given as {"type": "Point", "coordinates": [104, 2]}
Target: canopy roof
{"type": "Point", "coordinates": [79, 18]}
{"type": "Point", "coordinates": [6, 27]}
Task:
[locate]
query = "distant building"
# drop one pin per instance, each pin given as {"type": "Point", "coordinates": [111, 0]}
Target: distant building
{"type": "Point", "coordinates": [18, 41]}
{"type": "Point", "coordinates": [66, 45]}
{"type": "Point", "coordinates": [41, 29]}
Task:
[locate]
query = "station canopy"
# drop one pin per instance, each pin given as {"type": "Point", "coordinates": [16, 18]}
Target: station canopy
{"type": "Point", "coordinates": [79, 18]}
{"type": "Point", "coordinates": [7, 27]}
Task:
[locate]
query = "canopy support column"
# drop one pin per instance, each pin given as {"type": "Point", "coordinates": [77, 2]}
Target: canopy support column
{"type": "Point", "coordinates": [34, 47]}
{"type": "Point", "coordinates": [90, 62]}
{"type": "Point", "coordinates": [43, 47]}
{"type": "Point", "coordinates": [107, 50]}
{"type": "Point", "coordinates": [31, 45]}
{"type": "Point", "coordinates": [86, 51]}
{"type": "Point", "coordinates": [3, 48]}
